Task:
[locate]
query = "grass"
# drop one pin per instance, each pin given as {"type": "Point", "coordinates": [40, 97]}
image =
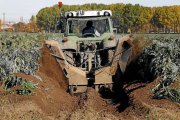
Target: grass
{"type": "Point", "coordinates": [9, 110]}
{"type": "Point", "coordinates": [162, 114]}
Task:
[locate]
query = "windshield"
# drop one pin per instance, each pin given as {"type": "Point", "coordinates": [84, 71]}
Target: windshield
{"type": "Point", "coordinates": [76, 25]}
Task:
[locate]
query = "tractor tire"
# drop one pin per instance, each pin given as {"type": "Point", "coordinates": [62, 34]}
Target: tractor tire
{"type": "Point", "coordinates": [71, 90]}
{"type": "Point", "coordinates": [110, 87]}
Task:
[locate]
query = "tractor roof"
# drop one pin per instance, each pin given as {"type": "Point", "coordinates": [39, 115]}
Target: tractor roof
{"type": "Point", "coordinates": [82, 13]}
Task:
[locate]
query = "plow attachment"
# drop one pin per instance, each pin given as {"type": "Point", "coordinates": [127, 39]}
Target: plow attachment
{"type": "Point", "coordinates": [78, 79]}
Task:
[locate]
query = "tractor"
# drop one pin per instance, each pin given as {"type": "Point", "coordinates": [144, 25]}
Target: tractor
{"type": "Point", "coordinates": [89, 59]}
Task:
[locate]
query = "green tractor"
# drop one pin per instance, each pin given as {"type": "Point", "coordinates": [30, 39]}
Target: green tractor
{"type": "Point", "coordinates": [90, 53]}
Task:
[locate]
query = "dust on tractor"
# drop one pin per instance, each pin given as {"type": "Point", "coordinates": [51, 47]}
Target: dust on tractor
{"type": "Point", "coordinates": [90, 60]}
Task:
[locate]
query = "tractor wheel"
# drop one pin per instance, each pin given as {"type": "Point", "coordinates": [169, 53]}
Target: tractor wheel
{"type": "Point", "coordinates": [71, 90]}
{"type": "Point", "coordinates": [110, 87]}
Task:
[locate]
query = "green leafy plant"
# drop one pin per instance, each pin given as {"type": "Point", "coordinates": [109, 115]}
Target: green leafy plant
{"type": "Point", "coordinates": [162, 58]}
{"type": "Point", "coordinates": [19, 52]}
{"type": "Point", "coordinates": [27, 88]}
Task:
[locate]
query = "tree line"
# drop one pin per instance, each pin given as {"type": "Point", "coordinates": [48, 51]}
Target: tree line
{"type": "Point", "coordinates": [134, 18]}
{"type": "Point", "coordinates": [131, 18]}
{"type": "Point", "coordinates": [0, 25]}
{"type": "Point", "coordinates": [31, 26]}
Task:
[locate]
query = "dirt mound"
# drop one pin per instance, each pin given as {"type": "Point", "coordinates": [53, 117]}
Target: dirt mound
{"type": "Point", "coordinates": [50, 97]}
{"type": "Point", "coordinates": [50, 68]}
{"type": "Point", "coordinates": [52, 85]}
{"type": "Point", "coordinates": [144, 107]}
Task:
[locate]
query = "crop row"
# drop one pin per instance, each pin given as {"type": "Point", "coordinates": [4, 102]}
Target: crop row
{"type": "Point", "coordinates": [18, 53]}
{"type": "Point", "coordinates": [162, 59]}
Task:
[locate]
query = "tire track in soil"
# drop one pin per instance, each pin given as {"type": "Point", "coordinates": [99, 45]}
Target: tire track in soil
{"type": "Point", "coordinates": [92, 105]}
{"type": "Point", "coordinates": [82, 98]}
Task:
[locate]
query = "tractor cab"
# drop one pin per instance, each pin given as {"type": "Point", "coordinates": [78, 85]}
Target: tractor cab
{"type": "Point", "coordinates": [98, 23]}
{"type": "Point", "coordinates": [88, 35]}
{"type": "Point", "coordinates": [76, 21]}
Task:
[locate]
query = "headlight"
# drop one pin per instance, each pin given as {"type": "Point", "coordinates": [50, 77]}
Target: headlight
{"type": "Point", "coordinates": [65, 39]}
{"type": "Point", "coordinates": [106, 13]}
{"type": "Point", "coordinates": [70, 15]}
{"type": "Point", "coordinates": [112, 37]}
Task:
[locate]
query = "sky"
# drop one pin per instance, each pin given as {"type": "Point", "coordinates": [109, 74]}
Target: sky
{"type": "Point", "coordinates": [16, 9]}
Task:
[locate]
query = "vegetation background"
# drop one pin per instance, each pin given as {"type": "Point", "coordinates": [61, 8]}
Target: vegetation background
{"type": "Point", "coordinates": [135, 18]}
{"type": "Point", "coordinates": [132, 18]}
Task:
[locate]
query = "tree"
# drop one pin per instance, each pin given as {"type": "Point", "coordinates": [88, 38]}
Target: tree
{"type": "Point", "coordinates": [117, 11]}
{"type": "Point", "coordinates": [47, 18]}
{"type": "Point", "coordinates": [144, 19]}
{"type": "Point", "coordinates": [0, 25]}
{"type": "Point", "coordinates": [163, 19]}
{"type": "Point", "coordinates": [33, 19]}
{"type": "Point", "coordinates": [32, 25]}
{"type": "Point", "coordinates": [131, 16]}
{"type": "Point", "coordinates": [20, 27]}
{"type": "Point", "coordinates": [175, 18]}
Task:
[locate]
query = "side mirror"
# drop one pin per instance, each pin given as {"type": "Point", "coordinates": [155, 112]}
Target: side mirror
{"type": "Point", "coordinates": [60, 26]}
{"type": "Point", "coordinates": [116, 22]}
{"type": "Point", "coordinates": [116, 25]}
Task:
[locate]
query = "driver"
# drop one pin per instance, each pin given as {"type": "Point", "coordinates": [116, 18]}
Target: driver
{"type": "Point", "coordinates": [90, 29]}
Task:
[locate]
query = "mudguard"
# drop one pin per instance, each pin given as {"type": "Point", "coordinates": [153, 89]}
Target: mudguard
{"type": "Point", "coordinates": [75, 77]}
{"type": "Point", "coordinates": [122, 54]}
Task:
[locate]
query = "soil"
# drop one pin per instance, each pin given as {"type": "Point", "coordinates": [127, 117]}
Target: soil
{"type": "Point", "coordinates": [51, 101]}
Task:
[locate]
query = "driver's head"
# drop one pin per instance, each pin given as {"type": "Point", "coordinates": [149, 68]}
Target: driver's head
{"type": "Point", "coordinates": [89, 23]}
